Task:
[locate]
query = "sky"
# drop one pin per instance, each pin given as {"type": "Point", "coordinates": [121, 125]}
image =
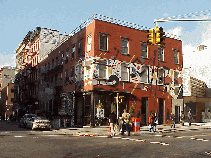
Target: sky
{"type": "Point", "coordinates": [17, 18]}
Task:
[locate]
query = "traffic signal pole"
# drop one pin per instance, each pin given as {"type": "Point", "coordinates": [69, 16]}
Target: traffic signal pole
{"type": "Point", "coordinates": [173, 20]}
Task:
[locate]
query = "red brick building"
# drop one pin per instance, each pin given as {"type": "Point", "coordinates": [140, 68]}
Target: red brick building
{"type": "Point", "coordinates": [104, 59]}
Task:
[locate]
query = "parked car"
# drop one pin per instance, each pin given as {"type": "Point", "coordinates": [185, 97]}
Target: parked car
{"type": "Point", "coordinates": [39, 123]}
{"type": "Point", "coordinates": [23, 121]}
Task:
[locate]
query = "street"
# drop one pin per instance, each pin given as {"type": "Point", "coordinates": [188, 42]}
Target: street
{"type": "Point", "coordinates": [20, 142]}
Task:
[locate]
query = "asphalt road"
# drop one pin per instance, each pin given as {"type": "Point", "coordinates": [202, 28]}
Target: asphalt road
{"type": "Point", "coordinates": [19, 142]}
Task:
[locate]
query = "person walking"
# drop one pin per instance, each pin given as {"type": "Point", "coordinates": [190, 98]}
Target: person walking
{"type": "Point", "coordinates": [155, 122]}
{"type": "Point", "coordinates": [173, 119]}
{"type": "Point", "coordinates": [151, 122]}
{"type": "Point", "coordinates": [182, 118]}
{"type": "Point", "coordinates": [189, 117]}
{"type": "Point", "coordinates": [126, 121]}
{"type": "Point", "coordinates": [112, 118]}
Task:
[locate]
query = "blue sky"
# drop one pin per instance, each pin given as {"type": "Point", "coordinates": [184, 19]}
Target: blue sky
{"type": "Point", "coordinates": [17, 17]}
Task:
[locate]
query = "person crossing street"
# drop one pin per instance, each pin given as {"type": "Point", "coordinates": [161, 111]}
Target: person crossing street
{"type": "Point", "coordinates": [173, 119]}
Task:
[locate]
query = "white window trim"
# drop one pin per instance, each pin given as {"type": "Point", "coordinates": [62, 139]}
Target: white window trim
{"type": "Point", "coordinates": [178, 78]}
{"type": "Point", "coordinates": [106, 74]}
{"type": "Point", "coordinates": [127, 64]}
{"type": "Point", "coordinates": [163, 55]}
{"type": "Point", "coordinates": [125, 39]}
{"type": "Point", "coordinates": [176, 50]}
{"type": "Point", "coordinates": [89, 44]}
{"type": "Point", "coordinates": [162, 76]}
{"type": "Point", "coordinates": [147, 73]}
{"type": "Point", "coordinates": [143, 43]}
{"type": "Point", "coordinates": [104, 34]}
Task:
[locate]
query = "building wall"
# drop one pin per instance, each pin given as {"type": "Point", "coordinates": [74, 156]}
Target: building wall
{"type": "Point", "coordinates": [78, 74]}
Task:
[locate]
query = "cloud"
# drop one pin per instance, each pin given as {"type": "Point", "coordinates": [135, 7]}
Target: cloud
{"type": "Point", "coordinates": [7, 59]}
{"type": "Point", "coordinates": [165, 14]}
{"type": "Point", "coordinates": [178, 31]}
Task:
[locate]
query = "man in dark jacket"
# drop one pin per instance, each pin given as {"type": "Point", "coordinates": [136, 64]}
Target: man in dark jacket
{"type": "Point", "coordinates": [112, 118]}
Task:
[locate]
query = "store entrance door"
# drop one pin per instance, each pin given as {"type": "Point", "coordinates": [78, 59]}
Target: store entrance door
{"type": "Point", "coordinates": [177, 113]}
{"type": "Point", "coordinates": [144, 109]}
{"type": "Point", "coordinates": [161, 111]}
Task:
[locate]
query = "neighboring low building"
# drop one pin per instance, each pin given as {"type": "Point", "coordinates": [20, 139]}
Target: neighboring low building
{"type": "Point", "coordinates": [197, 100]}
{"type": "Point", "coordinates": [7, 90]}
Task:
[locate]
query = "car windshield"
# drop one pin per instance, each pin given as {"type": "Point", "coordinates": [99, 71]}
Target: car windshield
{"type": "Point", "coordinates": [41, 118]}
{"type": "Point", "coordinates": [30, 116]}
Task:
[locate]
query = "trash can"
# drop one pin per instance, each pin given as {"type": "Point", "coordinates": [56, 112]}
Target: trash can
{"type": "Point", "coordinates": [136, 124]}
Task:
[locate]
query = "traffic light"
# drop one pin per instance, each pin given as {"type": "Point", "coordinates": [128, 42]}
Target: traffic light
{"type": "Point", "coordinates": [150, 36]}
{"type": "Point", "coordinates": [159, 35]}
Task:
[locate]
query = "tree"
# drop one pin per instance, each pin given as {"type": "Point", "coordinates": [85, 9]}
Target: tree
{"type": "Point", "coordinates": [132, 110]}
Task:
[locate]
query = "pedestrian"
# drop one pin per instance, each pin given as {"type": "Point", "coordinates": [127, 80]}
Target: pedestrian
{"type": "Point", "coordinates": [112, 118]}
{"type": "Point", "coordinates": [155, 122]}
{"type": "Point", "coordinates": [173, 119]}
{"type": "Point", "coordinates": [126, 122]}
{"type": "Point", "coordinates": [151, 122]}
{"type": "Point", "coordinates": [189, 117]}
{"type": "Point", "coordinates": [182, 118]}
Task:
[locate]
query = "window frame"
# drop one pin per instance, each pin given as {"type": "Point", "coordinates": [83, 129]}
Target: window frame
{"type": "Point", "coordinates": [176, 83]}
{"type": "Point", "coordinates": [80, 47]}
{"type": "Point", "coordinates": [106, 46]}
{"type": "Point", "coordinates": [163, 76]}
{"type": "Point", "coordinates": [161, 54]}
{"type": "Point", "coordinates": [73, 52]}
{"type": "Point", "coordinates": [89, 43]}
{"type": "Point", "coordinates": [142, 68]}
{"type": "Point", "coordinates": [123, 47]}
{"type": "Point", "coordinates": [127, 71]}
{"type": "Point", "coordinates": [105, 68]}
{"type": "Point", "coordinates": [144, 44]}
{"type": "Point", "coordinates": [177, 55]}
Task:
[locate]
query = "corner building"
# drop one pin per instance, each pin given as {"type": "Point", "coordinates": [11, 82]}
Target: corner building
{"type": "Point", "coordinates": [107, 64]}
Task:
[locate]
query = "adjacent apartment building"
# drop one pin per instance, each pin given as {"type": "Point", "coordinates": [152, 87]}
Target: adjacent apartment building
{"type": "Point", "coordinates": [106, 64]}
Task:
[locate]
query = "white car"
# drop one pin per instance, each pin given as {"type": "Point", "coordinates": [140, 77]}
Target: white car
{"type": "Point", "coordinates": [24, 120]}
{"type": "Point", "coordinates": [39, 123]}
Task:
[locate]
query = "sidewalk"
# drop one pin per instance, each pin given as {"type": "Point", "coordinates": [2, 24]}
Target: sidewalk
{"type": "Point", "coordinates": [103, 130]}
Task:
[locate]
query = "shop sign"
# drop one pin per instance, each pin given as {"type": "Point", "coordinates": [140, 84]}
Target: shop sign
{"type": "Point", "coordinates": [100, 113]}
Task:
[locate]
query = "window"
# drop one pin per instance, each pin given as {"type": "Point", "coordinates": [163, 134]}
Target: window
{"type": "Point", "coordinates": [56, 77]}
{"type": "Point", "coordinates": [67, 52]}
{"type": "Point", "coordinates": [176, 56]}
{"type": "Point", "coordinates": [103, 42]}
{"type": "Point", "coordinates": [46, 67]}
{"type": "Point", "coordinates": [52, 63]}
{"type": "Point", "coordinates": [72, 72]}
{"type": "Point", "coordinates": [79, 73]}
{"type": "Point", "coordinates": [144, 52]}
{"type": "Point", "coordinates": [144, 74]}
{"type": "Point", "coordinates": [57, 61]}
{"type": "Point", "coordinates": [176, 75]}
{"type": "Point", "coordinates": [124, 72]}
{"type": "Point", "coordinates": [73, 51]}
{"type": "Point", "coordinates": [66, 75]}
{"type": "Point", "coordinates": [80, 47]}
{"type": "Point", "coordinates": [161, 76]}
{"type": "Point", "coordinates": [12, 99]}
{"type": "Point", "coordinates": [51, 79]}
{"type": "Point", "coordinates": [89, 42]}
{"type": "Point", "coordinates": [160, 54]}
{"type": "Point", "coordinates": [124, 46]}
{"type": "Point", "coordinates": [12, 90]}
{"type": "Point", "coordinates": [102, 69]}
